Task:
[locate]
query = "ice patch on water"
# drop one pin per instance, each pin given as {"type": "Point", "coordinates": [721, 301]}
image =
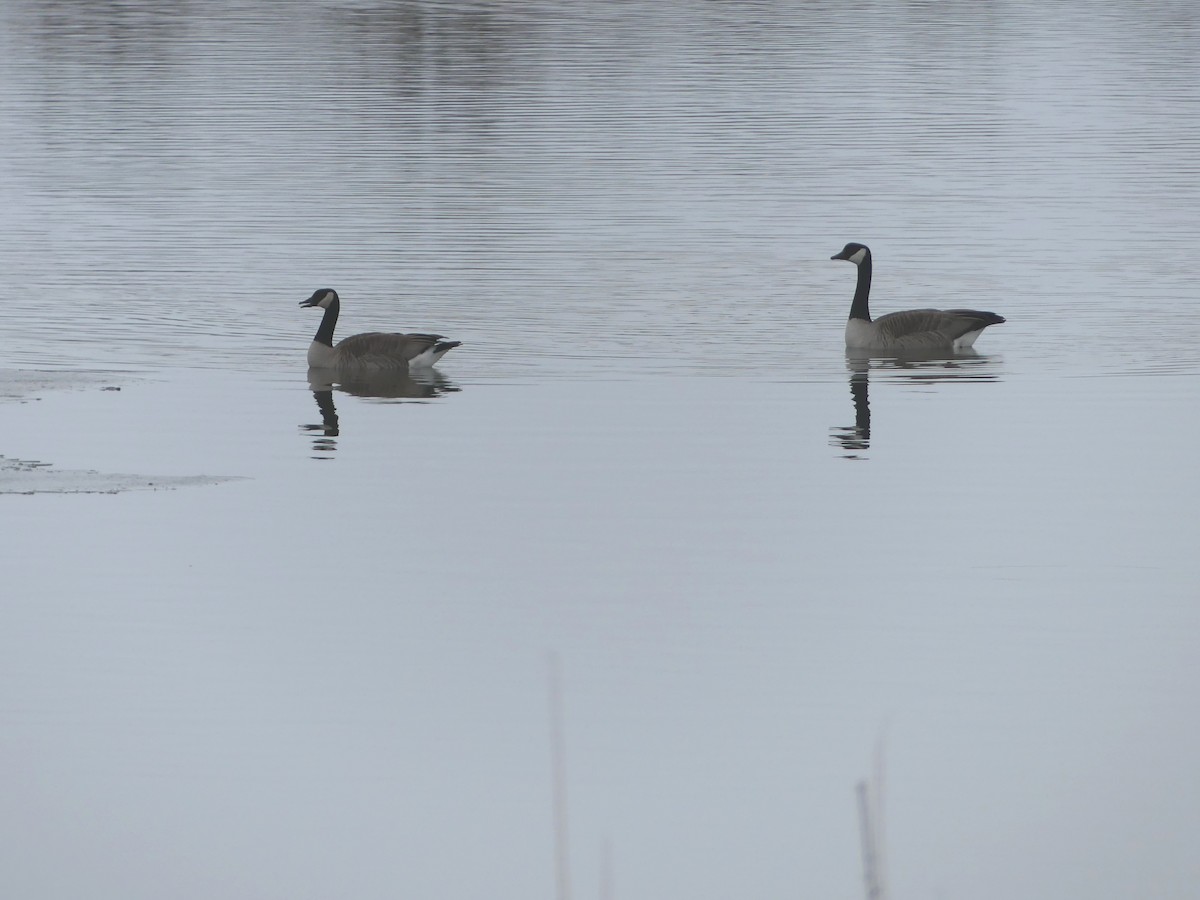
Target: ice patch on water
{"type": "Point", "coordinates": [22, 476]}
{"type": "Point", "coordinates": [25, 384]}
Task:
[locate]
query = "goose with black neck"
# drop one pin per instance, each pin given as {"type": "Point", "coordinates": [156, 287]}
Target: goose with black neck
{"type": "Point", "coordinates": [912, 329]}
{"type": "Point", "coordinates": [372, 351]}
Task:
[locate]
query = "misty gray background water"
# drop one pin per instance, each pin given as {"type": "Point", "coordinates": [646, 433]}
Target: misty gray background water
{"type": "Point", "coordinates": [756, 558]}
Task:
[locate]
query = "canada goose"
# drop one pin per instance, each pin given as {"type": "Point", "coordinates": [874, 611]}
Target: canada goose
{"type": "Point", "coordinates": [913, 329]}
{"type": "Point", "coordinates": [370, 352]}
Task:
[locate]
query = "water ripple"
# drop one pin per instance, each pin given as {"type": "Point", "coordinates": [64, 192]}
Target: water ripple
{"type": "Point", "coordinates": [574, 191]}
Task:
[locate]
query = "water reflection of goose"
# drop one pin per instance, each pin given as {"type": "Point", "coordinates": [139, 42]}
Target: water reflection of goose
{"type": "Point", "coordinates": [913, 329]}
{"type": "Point", "coordinates": [926, 367]}
{"type": "Point", "coordinates": [421, 385]}
{"type": "Point", "coordinates": [370, 352]}
{"type": "Point", "coordinates": [856, 437]}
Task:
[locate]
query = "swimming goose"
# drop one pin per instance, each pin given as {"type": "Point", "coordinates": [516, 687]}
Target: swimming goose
{"type": "Point", "coordinates": [913, 329]}
{"type": "Point", "coordinates": [370, 352]}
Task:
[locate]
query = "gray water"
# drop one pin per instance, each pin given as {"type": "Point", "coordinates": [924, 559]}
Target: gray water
{"type": "Point", "coordinates": [261, 638]}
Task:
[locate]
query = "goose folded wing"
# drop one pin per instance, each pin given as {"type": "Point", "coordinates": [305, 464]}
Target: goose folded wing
{"type": "Point", "coordinates": [935, 327]}
{"type": "Point", "coordinates": [380, 344]}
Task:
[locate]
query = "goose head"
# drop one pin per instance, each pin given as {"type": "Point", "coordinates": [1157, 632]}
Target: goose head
{"type": "Point", "coordinates": [853, 252]}
{"type": "Point", "coordinates": [321, 297]}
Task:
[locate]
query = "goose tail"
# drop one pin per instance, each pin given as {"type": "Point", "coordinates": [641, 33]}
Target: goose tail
{"type": "Point", "coordinates": [435, 352]}
{"type": "Point", "coordinates": [987, 318]}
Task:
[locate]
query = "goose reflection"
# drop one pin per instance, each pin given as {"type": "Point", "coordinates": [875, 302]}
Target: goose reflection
{"type": "Point", "coordinates": [416, 386]}
{"type": "Point", "coordinates": [928, 367]}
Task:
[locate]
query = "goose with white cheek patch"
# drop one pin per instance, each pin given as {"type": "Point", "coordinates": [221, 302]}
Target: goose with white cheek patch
{"type": "Point", "coordinates": [371, 352]}
{"type": "Point", "coordinates": [913, 329]}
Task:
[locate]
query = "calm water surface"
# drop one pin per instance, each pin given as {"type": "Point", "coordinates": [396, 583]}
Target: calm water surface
{"type": "Point", "coordinates": [757, 559]}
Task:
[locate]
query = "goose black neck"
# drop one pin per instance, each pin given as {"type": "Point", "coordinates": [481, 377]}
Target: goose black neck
{"type": "Point", "coordinates": [859, 308]}
{"type": "Point", "coordinates": [328, 322]}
